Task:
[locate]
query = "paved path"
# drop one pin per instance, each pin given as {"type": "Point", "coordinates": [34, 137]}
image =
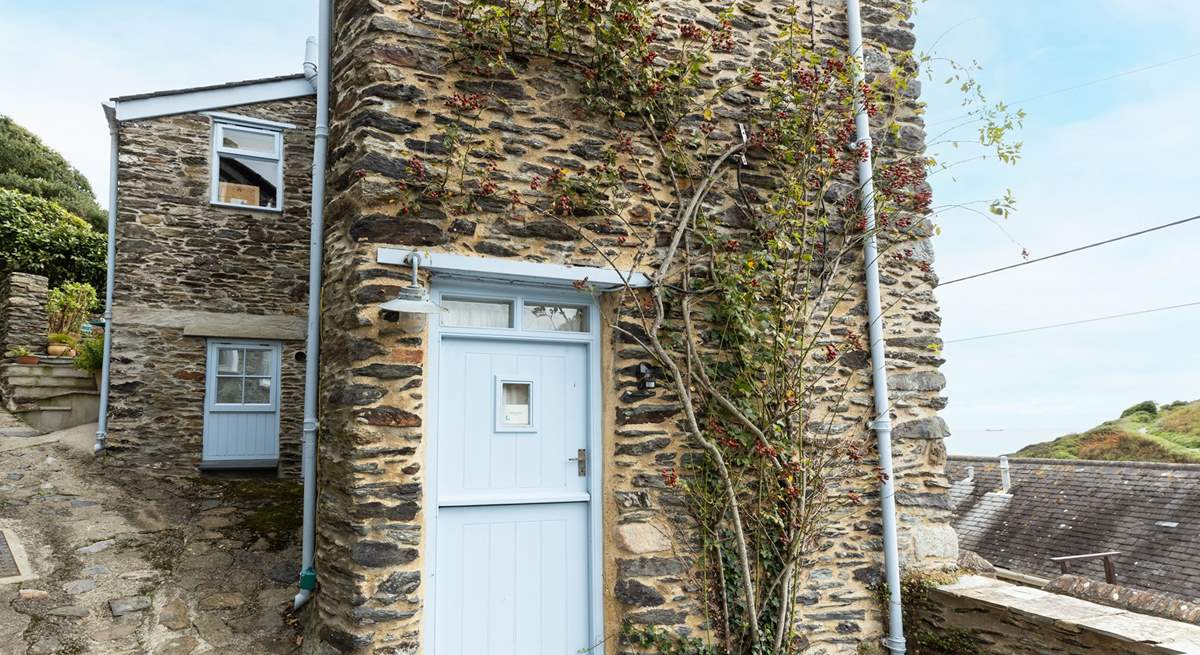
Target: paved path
{"type": "Point", "coordinates": [126, 563]}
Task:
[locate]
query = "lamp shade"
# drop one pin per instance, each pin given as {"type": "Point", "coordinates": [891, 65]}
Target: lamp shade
{"type": "Point", "coordinates": [412, 300]}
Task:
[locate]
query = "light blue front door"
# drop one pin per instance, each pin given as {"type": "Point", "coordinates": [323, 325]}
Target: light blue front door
{"type": "Point", "coordinates": [511, 565]}
{"type": "Point", "coordinates": [241, 404]}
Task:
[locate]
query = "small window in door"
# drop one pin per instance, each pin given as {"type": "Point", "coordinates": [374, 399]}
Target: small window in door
{"type": "Point", "coordinates": [245, 375]}
{"type": "Point", "coordinates": [514, 405]}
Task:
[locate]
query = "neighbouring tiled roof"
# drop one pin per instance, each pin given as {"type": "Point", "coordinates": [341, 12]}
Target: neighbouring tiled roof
{"type": "Point", "coordinates": [210, 87]}
{"type": "Point", "coordinates": [1148, 511]}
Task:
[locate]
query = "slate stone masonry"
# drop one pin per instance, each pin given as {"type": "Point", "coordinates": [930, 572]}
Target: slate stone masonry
{"type": "Point", "coordinates": [179, 256]}
{"type": "Point", "coordinates": [392, 77]}
{"type": "Point", "coordinates": [23, 320]}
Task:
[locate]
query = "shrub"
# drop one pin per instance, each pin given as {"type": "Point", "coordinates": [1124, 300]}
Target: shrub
{"type": "Point", "coordinates": [920, 615]}
{"type": "Point", "coordinates": [30, 166]}
{"type": "Point", "coordinates": [40, 237]}
{"type": "Point", "coordinates": [69, 306]}
{"type": "Point", "coordinates": [63, 338]}
{"type": "Point", "coordinates": [1147, 406]}
{"type": "Point", "coordinates": [90, 357]}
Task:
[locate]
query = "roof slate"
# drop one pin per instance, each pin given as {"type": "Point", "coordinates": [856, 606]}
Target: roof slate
{"type": "Point", "coordinates": [1074, 507]}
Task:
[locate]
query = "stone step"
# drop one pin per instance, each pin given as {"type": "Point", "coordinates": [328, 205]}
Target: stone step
{"type": "Point", "coordinates": [55, 411]}
{"type": "Point", "coordinates": [22, 381]}
{"type": "Point", "coordinates": [45, 370]}
{"type": "Point", "coordinates": [22, 395]}
{"type": "Point", "coordinates": [11, 426]}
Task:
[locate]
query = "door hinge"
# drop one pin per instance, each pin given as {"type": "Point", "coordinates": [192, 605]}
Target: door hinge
{"type": "Point", "coordinates": [580, 461]}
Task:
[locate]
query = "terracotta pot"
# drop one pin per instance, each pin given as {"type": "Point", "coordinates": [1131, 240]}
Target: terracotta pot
{"type": "Point", "coordinates": [28, 360]}
{"type": "Point", "coordinates": [57, 349]}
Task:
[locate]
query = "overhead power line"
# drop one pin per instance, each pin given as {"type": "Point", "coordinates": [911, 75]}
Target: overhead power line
{"type": "Point", "coordinates": [1073, 250]}
{"type": "Point", "coordinates": [1074, 87]}
{"type": "Point", "coordinates": [1079, 322]}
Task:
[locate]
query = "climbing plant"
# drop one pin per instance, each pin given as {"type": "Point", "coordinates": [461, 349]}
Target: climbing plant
{"type": "Point", "coordinates": [752, 243]}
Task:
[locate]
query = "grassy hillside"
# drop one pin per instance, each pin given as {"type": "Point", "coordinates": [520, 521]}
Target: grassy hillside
{"type": "Point", "coordinates": [1144, 433]}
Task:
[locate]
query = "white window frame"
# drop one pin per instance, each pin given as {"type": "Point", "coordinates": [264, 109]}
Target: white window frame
{"type": "Point", "coordinates": [530, 425]}
{"type": "Point", "coordinates": [218, 128]}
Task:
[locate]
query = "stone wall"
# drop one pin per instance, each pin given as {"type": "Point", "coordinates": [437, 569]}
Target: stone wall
{"type": "Point", "coordinates": [1007, 619]}
{"type": "Point", "coordinates": [23, 320]}
{"type": "Point", "coordinates": [187, 270]}
{"type": "Point", "coordinates": [392, 79]}
{"type": "Point", "coordinates": [1156, 603]}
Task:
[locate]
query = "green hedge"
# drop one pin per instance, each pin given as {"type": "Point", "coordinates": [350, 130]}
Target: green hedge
{"type": "Point", "coordinates": [40, 237]}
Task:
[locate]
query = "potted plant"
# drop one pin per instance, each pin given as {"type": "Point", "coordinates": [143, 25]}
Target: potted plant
{"type": "Point", "coordinates": [61, 344]}
{"type": "Point", "coordinates": [67, 309]}
{"type": "Point", "coordinates": [91, 356]}
{"type": "Point", "coordinates": [23, 355]}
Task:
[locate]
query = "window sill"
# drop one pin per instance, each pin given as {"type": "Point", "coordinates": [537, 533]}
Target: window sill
{"type": "Point", "coordinates": [253, 208]}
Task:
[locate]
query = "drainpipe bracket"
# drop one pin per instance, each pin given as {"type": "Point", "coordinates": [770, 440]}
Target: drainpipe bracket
{"type": "Point", "coordinates": [308, 579]}
{"type": "Point", "coordinates": [881, 424]}
{"type": "Point", "coordinates": [895, 644]}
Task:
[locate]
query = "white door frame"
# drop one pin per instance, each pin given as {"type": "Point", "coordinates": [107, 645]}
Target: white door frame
{"type": "Point", "coordinates": [518, 294]}
{"type": "Point", "coordinates": [212, 407]}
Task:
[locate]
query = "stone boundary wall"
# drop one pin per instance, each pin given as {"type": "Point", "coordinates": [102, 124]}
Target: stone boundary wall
{"type": "Point", "coordinates": [1009, 619]}
{"type": "Point", "coordinates": [23, 320]}
{"type": "Point", "coordinates": [1155, 603]}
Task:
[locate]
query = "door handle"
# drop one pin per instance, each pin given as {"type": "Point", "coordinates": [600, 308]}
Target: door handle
{"type": "Point", "coordinates": [580, 461]}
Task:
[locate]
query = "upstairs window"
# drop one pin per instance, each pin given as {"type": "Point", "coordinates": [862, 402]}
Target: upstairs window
{"type": "Point", "coordinates": [247, 166]}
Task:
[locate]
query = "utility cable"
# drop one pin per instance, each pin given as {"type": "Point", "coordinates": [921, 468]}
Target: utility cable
{"type": "Point", "coordinates": [1073, 87]}
{"type": "Point", "coordinates": [1073, 250]}
{"type": "Point", "coordinates": [1079, 322]}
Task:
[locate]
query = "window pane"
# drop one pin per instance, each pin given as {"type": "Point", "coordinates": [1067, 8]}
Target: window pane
{"type": "Point", "coordinates": [258, 362]}
{"type": "Point", "coordinates": [516, 403]}
{"type": "Point", "coordinates": [477, 313]}
{"type": "Point", "coordinates": [232, 137]}
{"type": "Point", "coordinates": [258, 391]}
{"type": "Point", "coordinates": [559, 318]}
{"type": "Point", "coordinates": [229, 360]}
{"type": "Point", "coordinates": [229, 391]}
{"type": "Point", "coordinates": [247, 181]}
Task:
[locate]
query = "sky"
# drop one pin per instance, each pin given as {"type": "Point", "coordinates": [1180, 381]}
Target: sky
{"type": "Point", "coordinates": [1099, 161]}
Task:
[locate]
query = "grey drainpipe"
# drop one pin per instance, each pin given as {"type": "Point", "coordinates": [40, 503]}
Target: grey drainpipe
{"type": "Point", "coordinates": [110, 112]}
{"type": "Point", "coordinates": [882, 424]}
{"type": "Point", "coordinates": [312, 347]}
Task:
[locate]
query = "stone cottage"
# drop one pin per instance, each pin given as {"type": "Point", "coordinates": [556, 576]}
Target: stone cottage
{"type": "Point", "coordinates": [210, 275]}
{"type": "Point", "coordinates": [514, 420]}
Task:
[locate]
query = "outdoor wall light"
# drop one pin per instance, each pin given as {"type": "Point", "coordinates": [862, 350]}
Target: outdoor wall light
{"type": "Point", "coordinates": [413, 299]}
